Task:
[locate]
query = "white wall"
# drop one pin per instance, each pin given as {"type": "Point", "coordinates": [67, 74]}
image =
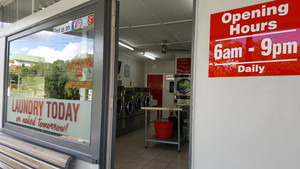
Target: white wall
{"type": "Point", "coordinates": [159, 67]}
{"type": "Point", "coordinates": [137, 75]}
{"type": "Point", "coordinates": [241, 122]}
{"type": "Point", "coordinates": [52, 10]}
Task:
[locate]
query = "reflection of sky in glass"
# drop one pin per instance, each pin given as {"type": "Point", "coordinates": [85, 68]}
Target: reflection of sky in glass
{"type": "Point", "coordinates": [52, 46]}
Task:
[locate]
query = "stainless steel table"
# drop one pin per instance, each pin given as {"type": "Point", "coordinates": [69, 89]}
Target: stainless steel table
{"type": "Point", "coordinates": [172, 140]}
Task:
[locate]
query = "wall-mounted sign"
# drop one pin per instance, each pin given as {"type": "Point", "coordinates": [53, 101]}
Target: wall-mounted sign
{"type": "Point", "coordinates": [170, 77]}
{"type": "Point", "coordinates": [126, 70]}
{"type": "Point", "coordinates": [259, 40]}
{"type": "Point", "coordinates": [183, 66]}
{"type": "Point", "coordinates": [66, 117]}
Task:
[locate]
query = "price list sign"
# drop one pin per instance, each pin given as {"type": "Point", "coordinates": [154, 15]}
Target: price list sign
{"type": "Point", "coordinates": [259, 40]}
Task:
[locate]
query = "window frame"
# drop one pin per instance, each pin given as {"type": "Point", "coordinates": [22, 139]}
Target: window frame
{"type": "Point", "coordinates": [95, 152]}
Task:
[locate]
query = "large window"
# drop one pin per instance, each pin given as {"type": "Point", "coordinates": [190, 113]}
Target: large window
{"type": "Point", "coordinates": [56, 87]}
{"type": "Point", "coordinates": [50, 79]}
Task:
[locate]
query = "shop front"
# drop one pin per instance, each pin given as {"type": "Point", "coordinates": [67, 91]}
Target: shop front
{"type": "Point", "coordinates": [56, 80]}
{"type": "Point", "coordinates": [245, 100]}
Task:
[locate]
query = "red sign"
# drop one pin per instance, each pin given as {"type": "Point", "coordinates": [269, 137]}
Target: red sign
{"type": "Point", "coordinates": [79, 84]}
{"type": "Point", "coordinates": [183, 66]}
{"type": "Point", "coordinates": [259, 40]}
{"type": "Point", "coordinates": [91, 19]}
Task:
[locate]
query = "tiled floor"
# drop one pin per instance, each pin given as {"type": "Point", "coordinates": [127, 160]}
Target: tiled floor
{"type": "Point", "coordinates": [131, 154]}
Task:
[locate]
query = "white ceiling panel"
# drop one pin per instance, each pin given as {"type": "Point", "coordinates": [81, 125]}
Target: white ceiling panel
{"type": "Point", "coordinates": [157, 33]}
{"type": "Point", "coordinates": [133, 38]}
{"type": "Point", "coordinates": [134, 13]}
{"type": "Point", "coordinates": [171, 10]}
{"type": "Point", "coordinates": [182, 30]}
{"type": "Point", "coordinates": [144, 24]}
{"type": "Point", "coordinates": [179, 46]}
{"type": "Point", "coordinates": [123, 23]}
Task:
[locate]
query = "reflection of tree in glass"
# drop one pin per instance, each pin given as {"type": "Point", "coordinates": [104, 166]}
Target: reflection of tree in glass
{"type": "Point", "coordinates": [56, 78]}
{"type": "Point", "coordinates": [13, 79]}
{"type": "Point", "coordinates": [32, 77]}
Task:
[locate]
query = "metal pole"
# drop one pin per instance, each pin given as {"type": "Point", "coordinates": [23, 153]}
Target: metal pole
{"type": "Point", "coordinates": [146, 127]}
{"type": "Point", "coordinates": [18, 82]}
{"type": "Point", "coordinates": [179, 150]}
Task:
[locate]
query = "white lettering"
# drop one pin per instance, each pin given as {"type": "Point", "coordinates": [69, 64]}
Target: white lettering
{"type": "Point", "coordinates": [276, 49]}
{"type": "Point", "coordinates": [235, 29]}
{"type": "Point", "coordinates": [244, 29]}
{"type": "Point", "coordinates": [283, 9]}
{"type": "Point", "coordinates": [264, 11]}
{"type": "Point", "coordinates": [218, 52]}
{"type": "Point", "coordinates": [241, 68]}
{"type": "Point", "coordinates": [226, 18]}
{"type": "Point", "coordinates": [246, 15]}
{"type": "Point", "coordinates": [272, 25]}
{"type": "Point", "coordinates": [236, 17]}
{"type": "Point", "coordinates": [253, 68]}
{"type": "Point", "coordinates": [227, 53]}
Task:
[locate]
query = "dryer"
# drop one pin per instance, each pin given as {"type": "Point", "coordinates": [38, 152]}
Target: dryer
{"type": "Point", "coordinates": [139, 119]}
{"type": "Point", "coordinates": [120, 117]}
{"type": "Point", "coordinates": [182, 90]}
{"type": "Point", "coordinates": [129, 111]}
{"type": "Point", "coordinates": [146, 93]}
{"type": "Point", "coordinates": [146, 96]}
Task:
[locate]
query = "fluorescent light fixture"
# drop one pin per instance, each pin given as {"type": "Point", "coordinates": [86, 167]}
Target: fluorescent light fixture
{"type": "Point", "coordinates": [126, 46]}
{"type": "Point", "coordinates": [147, 55]}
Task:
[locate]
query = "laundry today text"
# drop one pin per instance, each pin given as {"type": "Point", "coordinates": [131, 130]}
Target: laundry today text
{"type": "Point", "coordinates": [50, 109]}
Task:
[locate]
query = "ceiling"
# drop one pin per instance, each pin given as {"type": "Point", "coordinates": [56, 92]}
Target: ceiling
{"type": "Point", "coordinates": [144, 24]}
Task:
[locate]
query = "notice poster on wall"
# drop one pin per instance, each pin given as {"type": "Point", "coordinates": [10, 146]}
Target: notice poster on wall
{"type": "Point", "coordinates": [65, 117]}
{"type": "Point", "coordinates": [259, 40]}
{"type": "Point", "coordinates": [183, 66]}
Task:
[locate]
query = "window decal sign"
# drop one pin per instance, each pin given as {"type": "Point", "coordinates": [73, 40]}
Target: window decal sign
{"type": "Point", "coordinates": [80, 64]}
{"type": "Point", "coordinates": [79, 84]}
{"type": "Point", "coordinates": [75, 24]}
{"type": "Point", "coordinates": [259, 40]}
{"type": "Point", "coordinates": [65, 117]}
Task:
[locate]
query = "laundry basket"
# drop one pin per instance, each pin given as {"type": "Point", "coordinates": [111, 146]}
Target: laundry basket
{"type": "Point", "coordinates": [163, 129]}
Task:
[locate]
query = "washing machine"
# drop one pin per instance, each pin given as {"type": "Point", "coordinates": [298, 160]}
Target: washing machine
{"type": "Point", "coordinates": [182, 89]}
{"type": "Point", "coordinates": [120, 118]}
{"type": "Point", "coordinates": [146, 93]}
{"type": "Point", "coordinates": [182, 92]}
{"type": "Point", "coordinates": [139, 119]}
{"type": "Point", "coordinates": [129, 112]}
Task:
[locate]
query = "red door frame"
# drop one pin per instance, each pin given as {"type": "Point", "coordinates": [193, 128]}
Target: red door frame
{"type": "Point", "coordinates": [157, 93]}
{"type": "Point", "coordinates": [156, 90]}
